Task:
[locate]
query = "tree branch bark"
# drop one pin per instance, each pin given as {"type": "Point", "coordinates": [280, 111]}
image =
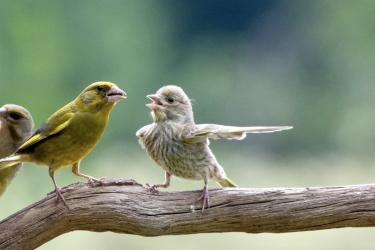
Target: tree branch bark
{"type": "Point", "coordinates": [126, 207]}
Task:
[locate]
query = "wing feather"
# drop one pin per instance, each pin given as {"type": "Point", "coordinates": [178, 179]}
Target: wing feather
{"type": "Point", "coordinates": [54, 125]}
{"type": "Point", "coordinates": [214, 131]}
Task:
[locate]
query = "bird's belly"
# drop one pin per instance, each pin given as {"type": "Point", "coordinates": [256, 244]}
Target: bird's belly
{"type": "Point", "coordinates": [6, 176]}
{"type": "Point", "coordinates": [175, 158]}
{"type": "Point", "coordinates": [66, 148]}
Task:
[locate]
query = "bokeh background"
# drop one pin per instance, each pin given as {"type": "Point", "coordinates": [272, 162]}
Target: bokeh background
{"type": "Point", "coordinates": [309, 64]}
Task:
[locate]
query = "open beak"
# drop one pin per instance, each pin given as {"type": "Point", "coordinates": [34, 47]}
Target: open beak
{"type": "Point", "coordinates": [156, 102]}
{"type": "Point", "coordinates": [116, 94]}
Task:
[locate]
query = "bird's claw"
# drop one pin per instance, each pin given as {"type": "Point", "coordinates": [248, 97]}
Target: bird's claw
{"type": "Point", "coordinates": [96, 182]}
{"type": "Point", "coordinates": [62, 190]}
{"type": "Point", "coordinates": [152, 188]}
{"type": "Point", "coordinates": [60, 197]}
{"type": "Point", "coordinates": [204, 199]}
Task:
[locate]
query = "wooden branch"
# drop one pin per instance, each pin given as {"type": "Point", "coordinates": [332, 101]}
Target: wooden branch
{"type": "Point", "coordinates": [126, 207]}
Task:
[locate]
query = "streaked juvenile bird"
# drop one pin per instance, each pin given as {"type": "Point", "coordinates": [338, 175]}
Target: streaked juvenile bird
{"type": "Point", "coordinates": [181, 147]}
{"type": "Point", "coordinates": [16, 125]}
{"type": "Point", "coordinates": [70, 133]}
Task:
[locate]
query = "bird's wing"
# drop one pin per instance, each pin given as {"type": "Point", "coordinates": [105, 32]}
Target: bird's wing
{"type": "Point", "coordinates": [202, 132]}
{"type": "Point", "coordinates": [141, 133]}
{"type": "Point", "coordinates": [54, 125]}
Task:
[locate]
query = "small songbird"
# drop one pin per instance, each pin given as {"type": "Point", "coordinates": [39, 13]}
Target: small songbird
{"type": "Point", "coordinates": [181, 147]}
{"type": "Point", "coordinates": [16, 125]}
{"type": "Point", "coordinates": [70, 133]}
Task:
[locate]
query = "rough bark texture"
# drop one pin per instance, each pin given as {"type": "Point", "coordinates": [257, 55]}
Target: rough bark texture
{"type": "Point", "coordinates": [126, 207]}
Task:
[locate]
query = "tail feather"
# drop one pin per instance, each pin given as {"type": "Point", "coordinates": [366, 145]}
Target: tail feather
{"type": "Point", "coordinates": [226, 183]}
{"type": "Point", "coordinates": [10, 161]}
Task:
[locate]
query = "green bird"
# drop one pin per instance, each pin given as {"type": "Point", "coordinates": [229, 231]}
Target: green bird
{"type": "Point", "coordinates": [70, 133]}
{"type": "Point", "coordinates": [181, 147]}
{"type": "Point", "coordinates": [16, 125]}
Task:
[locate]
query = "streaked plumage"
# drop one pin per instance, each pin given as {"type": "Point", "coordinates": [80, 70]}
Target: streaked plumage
{"type": "Point", "coordinates": [180, 146]}
{"type": "Point", "coordinates": [70, 133]}
{"type": "Point", "coordinates": [16, 124]}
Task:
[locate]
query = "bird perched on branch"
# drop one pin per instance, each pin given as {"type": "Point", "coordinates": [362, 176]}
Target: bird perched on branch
{"type": "Point", "coordinates": [16, 125]}
{"type": "Point", "coordinates": [70, 133]}
{"type": "Point", "coordinates": [181, 147]}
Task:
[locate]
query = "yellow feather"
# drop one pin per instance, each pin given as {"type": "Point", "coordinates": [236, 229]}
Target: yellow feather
{"type": "Point", "coordinates": [226, 183]}
{"type": "Point", "coordinates": [55, 124]}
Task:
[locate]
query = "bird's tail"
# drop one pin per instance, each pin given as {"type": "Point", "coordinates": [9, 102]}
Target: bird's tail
{"type": "Point", "coordinates": [10, 161]}
{"type": "Point", "coordinates": [226, 182]}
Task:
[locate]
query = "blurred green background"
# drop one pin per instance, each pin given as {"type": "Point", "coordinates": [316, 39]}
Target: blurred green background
{"type": "Point", "coordinates": [309, 64]}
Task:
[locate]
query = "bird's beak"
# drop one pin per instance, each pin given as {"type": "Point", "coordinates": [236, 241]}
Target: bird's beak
{"type": "Point", "coordinates": [154, 98]}
{"type": "Point", "coordinates": [156, 102]}
{"type": "Point", "coordinates": [3, 111]}
{"type": "Point", "coordinates": [116, 94]}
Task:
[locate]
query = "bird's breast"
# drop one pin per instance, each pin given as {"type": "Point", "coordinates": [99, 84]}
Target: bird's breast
{"type": "Point", "coordinates": [8, 144]}
{"type": "Point", "coordinates": [73, 143]}
{"type": "Point", "coordinates": [162, 144]}
{"type": "Point", "coordinates": [165, 148]}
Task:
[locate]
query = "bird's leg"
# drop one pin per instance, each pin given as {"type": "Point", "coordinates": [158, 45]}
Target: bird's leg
{"type": "Point", "coordinates": [204, 197]}
{"type": "Point", "coordinates": [59, 195]}
{"type": "Point", "coordinates": [90, 179]}
{"type": "Point", "coordinates": [154, 188]}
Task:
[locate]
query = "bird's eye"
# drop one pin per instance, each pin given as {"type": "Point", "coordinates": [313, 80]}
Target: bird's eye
{"type": "Point", "coordinates": [170, 99]}
{"type": "Point", "coordinates": [100, 89]}
{"type": "Point", "coordinates": [15, 116]}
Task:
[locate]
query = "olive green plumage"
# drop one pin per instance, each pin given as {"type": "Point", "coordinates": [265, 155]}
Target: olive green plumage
{"type": "Point", "coordinates": [70, 133]}
{"type": "Point", "coordinates": [16, 124]}
{"type": "Point", "coordinates": [181, 147]}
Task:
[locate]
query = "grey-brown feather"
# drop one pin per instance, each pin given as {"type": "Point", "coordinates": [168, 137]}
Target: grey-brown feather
{"type": "Point", "coordinates": [216, 131]}
{"type": "Point", "coordinates": [12, 135]}
{"type": "Point", "coordinates": [7, 146]}
{"type": "Point", "coordinates": [180, 146]}
{"type": "Point", "coordinates": [163, 143]}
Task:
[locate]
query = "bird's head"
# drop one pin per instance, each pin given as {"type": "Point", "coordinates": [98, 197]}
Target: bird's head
{"type": "Point", "coordinates": [99, 95]}
{"type": "Point", "coordinates": [170, 103]}
{"type": "Point", "coordinates": [18, 120]}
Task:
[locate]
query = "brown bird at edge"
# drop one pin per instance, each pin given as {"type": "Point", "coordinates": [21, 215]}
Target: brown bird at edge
{"type": "Point", "coordinates": [181, 147]}
{"type": "Point", "coordinates": [70, 133]}
{"type": "Point", "coordinates": [16, 125]}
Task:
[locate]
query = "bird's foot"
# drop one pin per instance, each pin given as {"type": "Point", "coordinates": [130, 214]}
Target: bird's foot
{"type": "Point", "coordinates": [60, 197]}
{"type": "Point", "coordinates": [95, 181]}
{"type": "Point", "coordinates": [152, 188]}
{"type": "Point", "coordinates": [63, 190]}
{"type": "Point", "coordinates": [204, 198]}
